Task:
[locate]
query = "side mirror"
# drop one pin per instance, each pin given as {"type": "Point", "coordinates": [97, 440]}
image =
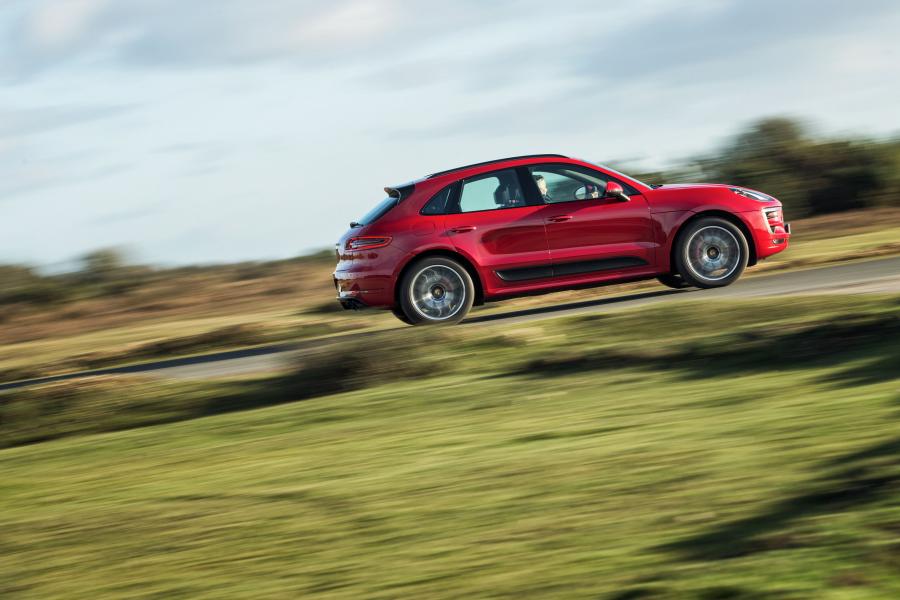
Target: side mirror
{"type": "Point", "coordinates": [615, 190]}
{"type": "Point", "coordinates": [587, 192]}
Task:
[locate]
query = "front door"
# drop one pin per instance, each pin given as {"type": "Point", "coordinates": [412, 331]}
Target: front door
{"type": "Point", "coordinates": [588, 233]}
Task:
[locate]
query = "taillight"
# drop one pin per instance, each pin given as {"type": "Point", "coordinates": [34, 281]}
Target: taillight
{"type": "Point", "coordinates": [367, 242]}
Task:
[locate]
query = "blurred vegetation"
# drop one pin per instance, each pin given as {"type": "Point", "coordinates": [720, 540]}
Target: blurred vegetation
{"type": "Point", "coordinates": [759, 333]}
{"type": "Point", "coordinates": [809, 174]}
{"type": "Point", "coordinates": [603, 456]}
{"type": "Point", "coordinates": [108, 273]}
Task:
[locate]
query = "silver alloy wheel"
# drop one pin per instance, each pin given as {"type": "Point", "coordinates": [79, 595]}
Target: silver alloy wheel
{"type": "Point", "coordinates": [437, 292]}
{"type": "Point", "coordinates": [712, 253]}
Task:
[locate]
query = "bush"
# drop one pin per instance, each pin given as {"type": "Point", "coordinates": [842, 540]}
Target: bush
{"type": "Point", "coordinates": [384, 357]}
{"type": "Point", "coordinates": [810, 175]}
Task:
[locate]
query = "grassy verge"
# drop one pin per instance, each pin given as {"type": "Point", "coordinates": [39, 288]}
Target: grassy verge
{"type": "Point", "coordinates": [645, 454]}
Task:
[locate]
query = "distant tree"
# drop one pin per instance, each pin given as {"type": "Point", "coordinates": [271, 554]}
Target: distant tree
{"type": "Point", "coordinates": [20, 284]}
{"type": "Point", "coordinates": [778, 156]}
{"type": "Point", "coordinates": [102, 265]}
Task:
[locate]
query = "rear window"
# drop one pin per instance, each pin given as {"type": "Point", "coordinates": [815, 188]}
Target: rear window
{"type": "Point", "coordinates": [438, 203]}
{"type": "Point", "coordinates": [381, 209]}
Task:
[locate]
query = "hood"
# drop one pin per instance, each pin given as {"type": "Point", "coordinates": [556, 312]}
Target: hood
{"type": "Point", "coordinates": [680, 186]}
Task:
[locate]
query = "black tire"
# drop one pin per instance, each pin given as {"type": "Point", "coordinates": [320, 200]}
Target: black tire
{"type": "Point", "coordinates": [398, 312]}
{"type": "Point", "coordinates": [673, 280]}
{"type": "Point", "coordinates": [706, 244]}
{"type": "Point", "coordinates": [451, 290]}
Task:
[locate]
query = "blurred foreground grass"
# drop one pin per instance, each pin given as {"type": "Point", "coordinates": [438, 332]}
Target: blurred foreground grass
{"type": "Point", "coordinates": [731, 450]}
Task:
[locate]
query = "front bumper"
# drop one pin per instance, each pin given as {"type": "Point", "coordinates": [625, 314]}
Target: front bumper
{"type": "Point", "coordinates": [773, 241]}
{"type": "Point", "coordinates": [769, 238]}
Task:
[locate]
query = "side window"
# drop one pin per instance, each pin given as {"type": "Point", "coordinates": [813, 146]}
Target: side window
{"type": "Point", "coordinates": [491, 191]}
{"type": "Point", "coordinates": [562, 183]}
{"type": "Point", "coordinates": [438, 203]}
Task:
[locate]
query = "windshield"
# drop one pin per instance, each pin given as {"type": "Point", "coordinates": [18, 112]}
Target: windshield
{"type": "Point", "coordinates": [379, 211]}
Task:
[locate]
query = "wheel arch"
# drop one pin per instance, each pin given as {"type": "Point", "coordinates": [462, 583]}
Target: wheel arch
{"type": "Point", "coordinates": [465, 262]}
{"type": "Point", "coordinates": [722, 214]}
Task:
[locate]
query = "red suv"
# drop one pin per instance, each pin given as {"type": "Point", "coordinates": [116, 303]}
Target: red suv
{"type": "Point", "coordinates": [532, 224]}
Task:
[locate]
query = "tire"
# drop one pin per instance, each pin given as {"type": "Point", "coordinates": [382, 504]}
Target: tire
{"type": "Point", "coordinates": [398, 312]}
{"type": "Point", "coordinates": [435, 291]}
{"type": "Point", "coordinates": [711, 252]}
{"type": "Point", "coordinates": [673, 280]}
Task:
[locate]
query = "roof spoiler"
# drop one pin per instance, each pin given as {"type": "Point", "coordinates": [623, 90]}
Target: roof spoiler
{"type": "Point", "coordinates": [400, 192]}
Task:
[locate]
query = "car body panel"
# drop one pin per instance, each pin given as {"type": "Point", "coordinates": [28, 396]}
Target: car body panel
{"type": "Point", "coordinates": [526, 249]}
{"type": "Point", "coordinates": [600, 229]}
{"type": "Point", "coordinates": [501, 241]}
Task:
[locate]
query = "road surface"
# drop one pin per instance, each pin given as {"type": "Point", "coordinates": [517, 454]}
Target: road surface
{"type": "Point", "coordinates": [882, 275]}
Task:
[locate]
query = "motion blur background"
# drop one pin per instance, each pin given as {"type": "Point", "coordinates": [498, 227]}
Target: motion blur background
{"type": "Point", "coordinates": [173, 176]}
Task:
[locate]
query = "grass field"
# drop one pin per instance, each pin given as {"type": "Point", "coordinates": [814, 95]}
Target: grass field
{"type": "Point", "coordinates": [754, 455]}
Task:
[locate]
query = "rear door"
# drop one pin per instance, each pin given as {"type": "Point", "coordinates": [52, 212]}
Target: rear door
{"type": "Point", "coordinates": [588, 233]}
{"type": "Point", "coordinates": [490, 220]}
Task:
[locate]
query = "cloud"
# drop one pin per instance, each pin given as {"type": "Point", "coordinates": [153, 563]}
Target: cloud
{"type": "Point", "coordinates": [48, 34]}
{"type": "Point", "coordinates": [57, 24]}
{"type": "Point", "coordinates": [675, 58]}
{"type": "Point", "coordinates": [25, 169]}
{"type": "Point", "coordinates": [30, 121]}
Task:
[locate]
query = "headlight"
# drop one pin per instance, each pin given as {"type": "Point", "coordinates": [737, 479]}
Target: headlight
{"type": "Point", "coordinates": [758, 196]}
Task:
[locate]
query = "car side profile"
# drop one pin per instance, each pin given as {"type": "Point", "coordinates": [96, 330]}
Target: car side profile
{"type": "Point", "coordinates": [435, 247]}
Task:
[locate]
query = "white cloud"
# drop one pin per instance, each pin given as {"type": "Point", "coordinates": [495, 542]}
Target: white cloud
{"type": "Point", "coordinates": [56, 23]}
{"type": "Point", "coordinates": [356, 21]}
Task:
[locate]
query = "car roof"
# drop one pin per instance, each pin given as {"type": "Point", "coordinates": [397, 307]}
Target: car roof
{"type": "Point", "coordinates": [491, 162]}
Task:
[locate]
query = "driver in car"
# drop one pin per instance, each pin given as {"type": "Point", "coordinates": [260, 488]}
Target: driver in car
{"type": "Point", "coordinates": [542, 187]}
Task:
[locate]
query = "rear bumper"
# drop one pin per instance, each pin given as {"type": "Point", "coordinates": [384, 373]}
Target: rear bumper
{"type": "Point", "coordinates": [350, 303]}
{"type": "Point", "coordinates": [355, 291]}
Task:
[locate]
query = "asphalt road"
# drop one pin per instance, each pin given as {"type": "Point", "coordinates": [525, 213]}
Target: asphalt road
{"type": "Point", "coordinates": [872, 276]}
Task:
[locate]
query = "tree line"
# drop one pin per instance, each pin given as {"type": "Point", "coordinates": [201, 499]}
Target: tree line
{"type": "Point", "coordinates": [811, 175]}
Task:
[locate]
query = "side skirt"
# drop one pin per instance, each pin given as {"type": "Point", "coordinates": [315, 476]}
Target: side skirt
{"type": "Point", "coordinates": [571, 268]}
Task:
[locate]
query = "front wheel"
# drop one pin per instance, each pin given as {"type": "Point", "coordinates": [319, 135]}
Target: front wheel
{"type": "Point", "coordinates": [711, 252]}
{"type": "Point", "coordinates": [673, 280]}
{"type": "Point", "coordinates": [436, 290]}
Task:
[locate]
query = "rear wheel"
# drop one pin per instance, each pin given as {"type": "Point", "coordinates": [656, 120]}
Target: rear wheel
{"type": "Point", "coordinates": [398, 312]}
{"type": "Point", "coordinates": [711, 252]}
{"type": "Point", "coordinates": [673, 280]}
{"type": "Point", "coordinates": [436, 290]}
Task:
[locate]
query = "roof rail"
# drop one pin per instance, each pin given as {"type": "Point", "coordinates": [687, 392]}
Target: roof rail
{"type": "Point", "coordinates": [496, 160]}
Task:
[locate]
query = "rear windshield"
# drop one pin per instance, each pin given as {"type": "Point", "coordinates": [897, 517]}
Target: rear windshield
{"type": "Point", "coordinates": [381, 209]}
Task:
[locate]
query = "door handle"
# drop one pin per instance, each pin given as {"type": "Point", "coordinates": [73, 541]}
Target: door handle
{"type": "Point", "coordinates": [560, 218]}
{"type": "Point", "coordinates": [462, 229]}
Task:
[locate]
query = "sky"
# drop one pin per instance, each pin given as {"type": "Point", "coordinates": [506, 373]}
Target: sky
{"type": "Point", "coordinates": [207, 132]}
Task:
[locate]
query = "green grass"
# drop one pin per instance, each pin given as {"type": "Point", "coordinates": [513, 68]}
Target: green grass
{"type": "Point", "coordinates": [838, 248]}
{"type": "Point", "coordinates": [658, 453]}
